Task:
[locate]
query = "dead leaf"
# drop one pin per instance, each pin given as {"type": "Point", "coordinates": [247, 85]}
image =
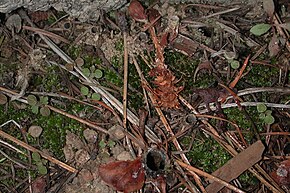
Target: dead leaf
{"type": "Point", "coordinates": [127, 176]}
{"type": "Point", "coordinates": [38, 16]}
{"type": "Point", "coordinates": [3, 99]}
{"type": "Point", "coordinates": [269, 7]}
{"type": "Point", "coordinates": [282, 174]}
{"type": "Point", "coordinates": [14, 23]}
{"type": "Point", "coordinates": [90, 135]}
{"type": "Point", "coordinates": [203, 65]}
{"type": "Point", "coordinates": [74, 140]}
{"type": "Point", "coordinates": [35, 131]}
{"type": "Point", "coordinates": [82, 156]}
{"type": "Point", "coordinates": [68, 152]}
{"type": "Point", "coordinates": [273, 46]}
{"type": "Point", "coordinates": [39, 185]}
{"type": "Point", "coordinates": [137, 11]}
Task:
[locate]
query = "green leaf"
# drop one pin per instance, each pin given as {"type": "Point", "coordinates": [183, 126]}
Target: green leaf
{"type": "Point", "coordinates": [98, 73]}
{"type": "Point", "coordinates": [230, 55]}
{"type": "Point", "coordinates": [43, 100]}
{"type": "Point", "coordinates": [262, 116]}
{"type": "Point", "coordinates": [35, 156]}
{"type": "Point", "coordinates": [260, 29]}
{"type": "Point", "coordinates": [96, 96]}
{"type": "Point", "coordinates": [44, 161]}
{"type": "Point", "coordinates": [42, 169]}
{"type": "Point", "coordinates": [102, 144]}
{"type": "Point", "coordinates": [111, 143]}
{"type": "Point", "coordinates": [86, 72]}
{"type": "Point", "coordinates": [235, 64]}
{"type": "Point", "coordinates": [3, 99]}
{"type": "Point", "coordinates": [261, 107]}
{"type": "Point", "coordinates": [268, 112]}
{"type": "Point", "coordinates": [32, 100]}
{"type": "Point", "coordinates": [45, 111]}
{"type": "Point", "coordinates": [34, 109]}
{"type": "Point", "coordinates": [92, 68]}
{"type": "Point", "coordinates": [84, 90]}
{"type": "Point", "coordinates": [269, 119]}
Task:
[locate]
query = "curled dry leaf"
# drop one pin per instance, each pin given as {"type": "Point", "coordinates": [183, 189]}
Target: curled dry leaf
{"type": "Point", "coordinates": [126, 176]}
{"type": "Point", "coordinates": [203, 65]}
{"type": "Point", "coordinates": [137, 11]}
{"type": "Point", "coordinates": [282, 174]}
{"type": "Point", "coordinates": [211, 95]}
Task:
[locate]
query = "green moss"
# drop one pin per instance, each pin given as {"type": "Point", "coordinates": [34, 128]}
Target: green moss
{"type": "Point", "coordinates": [183, 68]}
{"type": "Point", "coordinates": [54, 126]}
{"type": "Point", "coordinates": [111, 77]}
{"type": "Point", "coordinates": [207, 154]}
{"type": "Point", "coordinates": [119, 46]}
{"type": "Point", "coordinates": [74, 51]}
{"type": "Point", "coordinates": [238, 117]}
{"type": "Point", "coordinates": [247, 179]}
{"type": "Point", "coordinates": [261, 75]}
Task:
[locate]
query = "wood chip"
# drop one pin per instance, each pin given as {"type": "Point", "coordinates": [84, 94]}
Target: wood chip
{"type": "Point", "coordinates": [237, 165]}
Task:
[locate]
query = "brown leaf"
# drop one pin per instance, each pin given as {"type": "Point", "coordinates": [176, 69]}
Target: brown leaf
{"type": "Point", "coordinates": [282, 174]}
{"type": "Point", "coordinates": [137, 11]}
{"type": "Point", "coordinates": [14, 23]}
{"type": "Point", "coordinates": [269, 7]}
{"type": "Point", "coordinates": [273, 46]}
{"type": "Point", "coordinates": [39, 185]}
{"type": "Point", "coordinates": [153, 14]}
{"type": "Point", "coordinates": [127, 176]}
{"type": "Point", "coordinates": [38, 16]}
{"type": "Point", "coordinates": [203, 65]}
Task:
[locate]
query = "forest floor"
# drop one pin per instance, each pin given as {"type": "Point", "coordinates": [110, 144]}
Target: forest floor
{"type": "Point", "coordinates": [157, 97]}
